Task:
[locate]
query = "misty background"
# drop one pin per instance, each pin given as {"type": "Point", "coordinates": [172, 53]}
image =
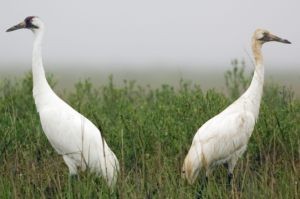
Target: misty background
{"type": "Point", "coordinates": [153, 42]}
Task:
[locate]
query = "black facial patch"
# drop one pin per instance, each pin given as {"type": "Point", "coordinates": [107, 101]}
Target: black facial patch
{"type": "Point", "coordinates": [265, 36]}
{"type": "Point", "coordinates": [28, 22]}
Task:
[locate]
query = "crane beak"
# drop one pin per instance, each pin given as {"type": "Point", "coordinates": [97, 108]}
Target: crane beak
{"type": "Point", "coordinates": [271, 37]}
{"type": "Point", "coordinates": [16, 27]}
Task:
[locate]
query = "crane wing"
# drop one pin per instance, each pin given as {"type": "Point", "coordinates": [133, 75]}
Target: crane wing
{"type": "Point", "coordinates": [224, 134]}
{"type": "Point", "coordinates": [67, 130]}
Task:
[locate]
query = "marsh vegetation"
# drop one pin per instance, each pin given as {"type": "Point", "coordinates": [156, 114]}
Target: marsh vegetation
{"type": "Point", "coordinates": [150, 130]}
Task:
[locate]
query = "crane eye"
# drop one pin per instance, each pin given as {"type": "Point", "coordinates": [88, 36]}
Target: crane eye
{"type": "Point", "coordinates": [29, 19]}
{"type": "Point", "coordinates": [264, 35]}
{"type": "Point", "coordinates": [29, 24]}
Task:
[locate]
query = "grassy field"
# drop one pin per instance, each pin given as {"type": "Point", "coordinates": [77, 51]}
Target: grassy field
{"type": "Point", "coordinates": [150, 130]}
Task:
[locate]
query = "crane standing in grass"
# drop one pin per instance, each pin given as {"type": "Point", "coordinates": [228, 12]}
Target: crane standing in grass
{"type": "Point", "coordinates": [223, 138]}
{"type": "Point", "coordinates": [71, 134]}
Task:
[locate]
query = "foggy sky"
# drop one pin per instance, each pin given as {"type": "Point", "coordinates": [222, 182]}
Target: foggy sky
{"type": "Point", "coordinates": [137, 33]}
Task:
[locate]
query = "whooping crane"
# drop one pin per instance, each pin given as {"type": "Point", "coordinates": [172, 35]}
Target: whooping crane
{"type": "Point", "coordinates": [224, 138]}
{"type": "Point", "coordinates": [72, 135]}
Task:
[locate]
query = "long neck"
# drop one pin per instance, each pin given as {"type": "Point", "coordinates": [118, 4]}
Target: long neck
{"type": "Point", "coordinates": [255, 90]}
{"type": "Point", "coordinates": [40, 83]}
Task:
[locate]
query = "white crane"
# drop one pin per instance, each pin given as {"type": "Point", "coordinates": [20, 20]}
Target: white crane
{"type": "Point", "coordinates": [223, 138]}
{"type": "Point", "coordinates": [72, 135]}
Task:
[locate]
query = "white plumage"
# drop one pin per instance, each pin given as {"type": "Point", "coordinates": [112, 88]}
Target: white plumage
{"type": "Point", "coordinates": [71, 134]}
{"type": "Point", "coordinates": [224, 138]}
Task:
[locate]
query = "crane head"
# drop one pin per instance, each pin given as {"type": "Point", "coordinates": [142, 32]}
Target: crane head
{"type": "Point", "coordinates": [32, 23]}
{"type": "Point", "coordinates": [263, 36]}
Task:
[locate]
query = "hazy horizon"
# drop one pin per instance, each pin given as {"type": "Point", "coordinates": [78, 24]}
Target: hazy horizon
{"type": "Point", "coordinates": [131, 39]}
{"type": "Point", "coordinates": [156, 76]}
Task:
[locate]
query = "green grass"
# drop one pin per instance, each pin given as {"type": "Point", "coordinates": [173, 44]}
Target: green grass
{"type": "Point", "coordinates": [150, 130]}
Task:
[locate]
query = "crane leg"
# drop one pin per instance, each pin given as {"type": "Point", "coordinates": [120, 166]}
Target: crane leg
{"type": "Point", "coordinates": [229, 174]}
{"type": "Point", "coordinates": [230, 166]}
{"type": "Point", "coordinates": [71, 165]}
{"type": "Point", "coordinates": [229, 179]}
{"type": "Point", "coordinates": [203, 183]}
